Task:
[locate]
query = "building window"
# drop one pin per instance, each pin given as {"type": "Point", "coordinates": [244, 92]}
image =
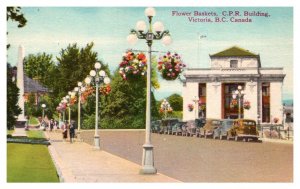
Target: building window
{"type": "Point", "coordinates": [202, 100]}
{"type": "Point", "coordinates": [265, 102]}
{"type": "Point", "coordinates": [233, 63]}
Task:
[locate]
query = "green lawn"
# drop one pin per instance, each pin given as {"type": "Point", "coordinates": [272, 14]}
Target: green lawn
{"type": "Point", "coordinates": [35, 134]}
{"type": "Point", "coordinates": [29, 163]}
{"type": "Point", "coordinates": [33, 121]}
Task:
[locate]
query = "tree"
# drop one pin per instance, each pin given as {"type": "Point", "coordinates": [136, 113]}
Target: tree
{"type": "Point", "coordinates": [74, 64]}
{"type": "Point", "coordinates": [176, 102]}
{"type": "Point", "coordinates": [14, 14]}
{"type": "Point", "coordinates": [125, 106]}
{"type": "Point", "coordinates": [13, 110]}
{"type": "Point", "coordinates": [38, 67]}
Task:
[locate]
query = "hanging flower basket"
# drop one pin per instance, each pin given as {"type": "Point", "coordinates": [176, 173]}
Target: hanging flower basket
{"type": "Point", "coordinates": [202, 107]}
{"type": "Point", "coordinates": [170, 110]}
{"type": "Point", "coordinates": [62, 107]}
{"type": "Point", "coordinates": [170, 66]}
{"type": "Point", "coordinates": [190, 107]}
{"type": "Point", "coordinates": [105, 90]}
{"type": "Point", "coordinates": [246, 105]}
{"type": "Point", "coordinates": [88, 91]}
{"type": "Point", "coordinates": [73, 100]}
{"type": "Point", "coordinates": [275, 120]}
{"type": "Point", "coordinates": [133, 65]}
{"type": "Point", "coordinates": [234, 103]}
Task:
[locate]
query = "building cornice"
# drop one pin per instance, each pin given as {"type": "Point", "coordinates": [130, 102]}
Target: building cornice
{"type": "Point", "coordinates": [235, 78]}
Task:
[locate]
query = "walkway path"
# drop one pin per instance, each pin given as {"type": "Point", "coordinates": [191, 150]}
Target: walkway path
{"type": "Point", "coordinates": [79, 162]}
{"type": "Point", "coordinates": [19, 132]}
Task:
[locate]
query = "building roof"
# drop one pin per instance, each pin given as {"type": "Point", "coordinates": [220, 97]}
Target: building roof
{"type": "Point", "coordinates": [234, 52]}
{"type": "Point", "coordinates": [32, 86]}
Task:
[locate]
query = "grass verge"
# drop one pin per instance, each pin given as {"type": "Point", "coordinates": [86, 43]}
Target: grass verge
{"type": "Point", "coordinates": [29, 163]}
{"type": "Point", "coordinates": [35, 134]}
{"type": "Point", "coordinates": [33, 121]}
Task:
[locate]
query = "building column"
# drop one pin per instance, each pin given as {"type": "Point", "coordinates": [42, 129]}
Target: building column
{"type": "Point", "coordinates": [189, 91]}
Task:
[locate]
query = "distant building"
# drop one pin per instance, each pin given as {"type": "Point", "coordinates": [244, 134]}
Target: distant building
{"type": "Point", "coordinates": [230, 68]}
{"type": "Point", "coordinates": [32, 86]}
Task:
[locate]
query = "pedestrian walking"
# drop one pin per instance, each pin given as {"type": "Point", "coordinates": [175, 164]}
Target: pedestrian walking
{"type": "Point", "coordinates": [51, 125]}
{"type": "Point", "coordinates": [64, 131]}
{"type": "Point", "coordinates": [72, 131]}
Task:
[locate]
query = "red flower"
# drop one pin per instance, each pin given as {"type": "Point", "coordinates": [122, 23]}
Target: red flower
{"type": "Point", "coordinates": [141, 56]}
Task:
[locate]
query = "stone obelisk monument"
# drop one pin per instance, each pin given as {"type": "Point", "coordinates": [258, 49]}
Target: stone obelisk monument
{"type": "Point", "coordinates": [20, 84]}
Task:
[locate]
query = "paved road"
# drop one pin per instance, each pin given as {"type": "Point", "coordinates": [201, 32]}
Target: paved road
{"type": "Point", "coordinates": [191, 159]}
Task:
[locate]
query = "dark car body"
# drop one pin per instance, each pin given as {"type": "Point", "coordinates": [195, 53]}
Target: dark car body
{"type": "Point", "coordinates": [155, 126]}
{"type": "Point", "coordinates": [191, 128]}
{"type": "Point", "coordinates": [210, 126]}
{"type": "Point", "coordinates": [243, 129]}
{"type": "Point", "coordinates": [221, 131]}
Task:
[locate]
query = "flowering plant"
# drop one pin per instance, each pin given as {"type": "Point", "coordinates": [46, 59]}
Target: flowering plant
{"type": "Point", "coordinates": [170, 66]}
{"type": "Point", "coordinates": [190, 107]}
{"type": "Point", "coordinates": [275, 119]}
{"type": "Point", "coordinates": [233, 103]}
{"type": "Point", "coordinates": [88, 91]}
{"type": "Point", "coordinates": [247, 105]}
{"type": "Point", "coordinates": [202, 106]}
{"type": "Point", "coordinates": [105, 89]}
{"type": "Point", "coordinates": [133, 65]}
{"type": "Point", "coordinates": [73, 100]}
{"type": "Point", "coordinates": [62, 107]}
{"type": "Point", "coordinates": [169, 110]}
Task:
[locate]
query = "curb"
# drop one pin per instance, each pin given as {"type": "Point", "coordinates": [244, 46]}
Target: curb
{"type": "Point", "coordinates": [53, 153]}
{"type": "Point", "coordinates": [277, 141]}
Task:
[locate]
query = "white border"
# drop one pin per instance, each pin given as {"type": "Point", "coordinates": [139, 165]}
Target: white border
{"type": "Point", "coordinates": [144, 3]}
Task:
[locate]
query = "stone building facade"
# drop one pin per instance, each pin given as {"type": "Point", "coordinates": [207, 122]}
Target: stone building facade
{"type": "Point", "coordinates": [231, 68]}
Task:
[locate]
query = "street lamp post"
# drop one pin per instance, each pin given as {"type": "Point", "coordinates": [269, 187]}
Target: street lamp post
{"type": "Point", "coordinates": [149, 36]}
{"type": "Point", "coordinates": [43, 106]}
{"type": "Point", "coordinates": [61, 104]}
{"type": "Point", "coordinates": [80, 89]}
{"type": "Point", "coordinates": [239, 93]}
{"type": "Point", "coordinates": [68, 97]}
{"type": "Point", "coordinates": [261, 128]}
{"type": "Point", "coordinates": [165, 106]}
{"type": "Point", "coordinates": [97, 77]}
{"type": "Point", "coordinates": [196, 101]}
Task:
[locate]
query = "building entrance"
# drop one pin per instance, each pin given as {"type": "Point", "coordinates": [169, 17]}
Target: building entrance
{"type": "Point", "coordinates": [230, 108]}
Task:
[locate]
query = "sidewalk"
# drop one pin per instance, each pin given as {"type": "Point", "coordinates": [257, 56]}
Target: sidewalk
{"type": "Point", "coordinates": [79, 162]}
{"type": "Point", "coordinates": [19, 132]}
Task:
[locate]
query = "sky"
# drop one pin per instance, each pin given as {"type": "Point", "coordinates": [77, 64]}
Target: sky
{"type": "Point", "coordinates": [50, 29]}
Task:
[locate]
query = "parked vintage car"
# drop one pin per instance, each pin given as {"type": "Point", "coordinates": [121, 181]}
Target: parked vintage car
{"type": "Point", "coordinates": [243, 129]}
{"type": "Point", "coordinates": [191, 128]}
{"type": "Point", "coordinates": [221, 131]}
{"type": "Point", "coordinates": [155, 126]}
{"type": "Point", "coordinates": [167, 124]}
{"type": "Point", "coordinates": [209, 127]}
{"type": "Point", "coordinates": [177, 129]}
